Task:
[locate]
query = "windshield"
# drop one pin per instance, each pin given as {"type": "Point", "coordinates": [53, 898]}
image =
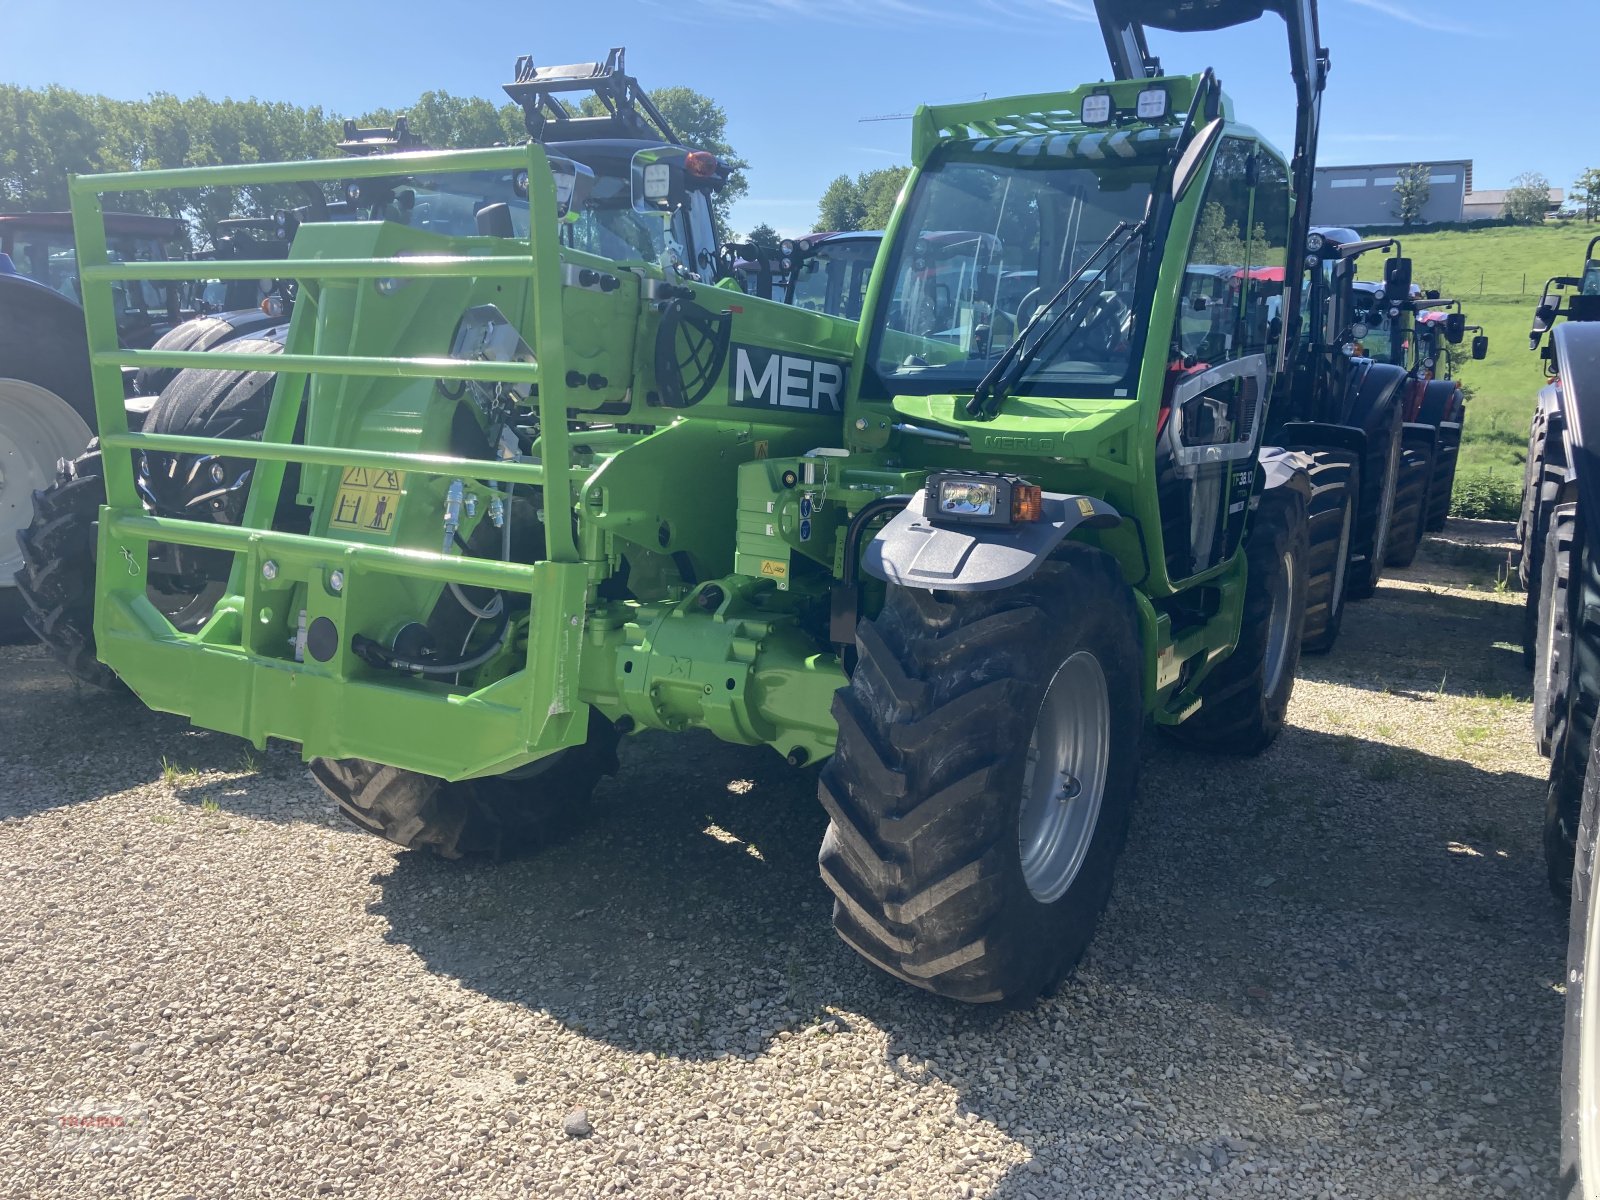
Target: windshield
{"type": "Point", "coordinates": [834, 279]}
{"type": "Point", "coordinates": [51, 259]}
{"type": "Point", "coordinates": [449, 203]}
{"type": "Point", "coordinates": [993, 234]}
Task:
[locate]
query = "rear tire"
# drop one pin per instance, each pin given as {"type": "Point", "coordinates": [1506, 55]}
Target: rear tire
{"type": "Point", "coordinates": [1330, 520]}
{"type": "Point", "coordinates": [499, 816]}
{"type": "Point", "coordinates": [1411, 498]}
{"type": "Point", "coordinates": [1544, 474]}
{"type": "Point", "coordinates": [1580, 1050]}
{"type": "Point", "coordinates": [984, 778]}
{"type": "Point", "coordinates": [1365, 574]}
{"type": "Point", "coordinates": [1574, 718]}
{"type": "Point", "coordinates": [1246, 697]}
{"type": "Point", "coordinates": [1442, 490]}
{"type": "Point", "coordinates": [1553, 658]}
{"type": "Point", "coordinates": [202, 333]}
{"type": "Point", "coordinates": [46, 417]}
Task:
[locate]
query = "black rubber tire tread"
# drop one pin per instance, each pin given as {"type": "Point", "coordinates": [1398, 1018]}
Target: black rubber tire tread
{"type": "Point", "coordinates": [1333, 490]}
{"type": "Point", "coordinates": [924, 791]}
{"type": "Point", "coordinates": [1571, 1184]}
{"type": "Point", "coordinates": [56, 583]}
{"type": "Point", "coordinates": [202, 333]}
{"type": "Point", "coordinates": [501, 817]}
{"type": "Point", "coordinates": [1410, 500]}
{"type": "Point", "coordinates": [1238, 715]}
{"type": "Point", "coordinates": [1573, 727]}
{"type": "Point", "coordinates": [1365, 574]}
{"type": "Point", "coordinates": [42, 342]}
{"type": "Point", "coordinates": [1553, 658]}
{"type": "Point", "coordinates": [1442, 490]}
{"type": "Point", "coordinates": [1545, 472]}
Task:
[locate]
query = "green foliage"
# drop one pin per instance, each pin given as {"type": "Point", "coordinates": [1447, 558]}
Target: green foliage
{"type": "Point", "coordinates": [765, 239]}
{"type": "Point", "coordinates": [865, 202]}
{"type": "Point", "coordinates": [1411, 194]}
{"type": "Point", "coordinates": [1585, 195]}
{"type": "Point", "coordinates": [1217, 240]}
{"type": "Point", "coordinates": [47, 134]}
{"type": "Point", "coordinates": [1485, 496]}
{"type": "Point", "coordinates": [1528, 199]}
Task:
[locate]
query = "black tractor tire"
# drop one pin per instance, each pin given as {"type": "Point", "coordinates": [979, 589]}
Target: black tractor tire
{"type": "Point", "coordinates": [1553, 658]}
{"type": "Point", "coordinates": [1330, 518]}
{"type": "Point", "coordinates": [939, 736]}
{"type": "Point", "coordinates": [1442, 490]}
{"type": "Point", "coordinates": [1544, 474]}
{"type": "Point", "coordinates": [202, 333]}
{"type": "Point", "coordinates": [1410, 500]}
{"type": "Point", "coordinates": [500, 816]}
{"type": "Point", "coordinates": [1366, 572]}
{"type": "Point", "coordinates": [57, 582]}
{"type": "Point", "coordinates": [42, 342]}
{"type": "Point", "coordinates": [1573, 722]}
{"type": "Point", "coordinates": [1581, 1027]}
{"type": "Point", "coordinates": [1246, 697]}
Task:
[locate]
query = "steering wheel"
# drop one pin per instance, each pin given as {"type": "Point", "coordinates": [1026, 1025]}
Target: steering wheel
{"type": "Point", "coordinates": [1102, 328]}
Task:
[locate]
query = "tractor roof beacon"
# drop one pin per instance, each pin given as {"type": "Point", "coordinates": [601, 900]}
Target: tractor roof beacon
{"type": "Point", "coordinates": [1560, 533]}
{"type": "Point", "coordinates": [963, 551]}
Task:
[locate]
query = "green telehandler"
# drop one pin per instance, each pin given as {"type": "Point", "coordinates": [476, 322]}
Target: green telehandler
{"type": "Point", "coordinates": [547, 494]}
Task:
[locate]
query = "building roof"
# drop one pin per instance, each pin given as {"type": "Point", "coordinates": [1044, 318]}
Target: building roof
{"type": "Point", "coordinates": [1498, 196]}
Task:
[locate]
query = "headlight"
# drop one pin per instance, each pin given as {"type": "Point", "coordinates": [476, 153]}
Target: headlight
{"type": "Point", "coordinates": [786, 247]}
{"type": "Point", "coordinates": [980, 498]}
{"type": "Point", "coordinates": [352, 191]}
{"type": "Point", "coordinates": [1152, 104]}
{"type": "Point", "coordinates": [519, 184]}
{"type": "Point", "coordinates": [1096, 108]}
{"type": "Point", "coordinates": [1315, 242]}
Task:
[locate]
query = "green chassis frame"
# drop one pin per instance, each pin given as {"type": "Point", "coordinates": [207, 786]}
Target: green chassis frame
{"type": "Point", "coordinates": [727, 654]}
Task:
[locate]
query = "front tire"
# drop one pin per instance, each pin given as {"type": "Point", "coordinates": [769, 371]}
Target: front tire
{"type": "Point", "coordinates": [1411, 498]}
{"type": "Point", "coordinates": [984, 778]}
{"type": "Point", "coordinates": [1365, 574]}
{"type": "Point", "coordinates": [1245, 700]}
{"type": "Point", "coordinates": [1330, 520]}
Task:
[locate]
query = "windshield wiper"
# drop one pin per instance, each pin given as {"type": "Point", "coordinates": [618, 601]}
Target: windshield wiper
{"type": "Point", "coordinates": [1019, 355]}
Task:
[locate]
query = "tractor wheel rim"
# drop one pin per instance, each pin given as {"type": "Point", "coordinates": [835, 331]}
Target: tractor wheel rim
{"type": "Point", "coordinates": [1589, 1046]}
{"type": "Point", "coordinates": [1278, 632]}
{"type": "Point", "coordinates": [1065, 777]}
{"type": "Point", "coordinates": [37, 430]}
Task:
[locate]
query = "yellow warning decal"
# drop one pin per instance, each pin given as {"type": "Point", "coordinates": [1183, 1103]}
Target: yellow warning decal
{"type": "Point", "coordinates": [367, 499]}
{"type": "Point", "coordinates": [774, 569]}
{"type": "Point", "coordinates": [1085, 507]}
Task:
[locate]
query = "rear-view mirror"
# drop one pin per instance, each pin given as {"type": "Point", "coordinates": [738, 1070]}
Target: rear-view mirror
{"type": "Point", "coordinates": [1480, 347]}
{"type": "Point", "coordinates": [1455, 327]}
{"type": "Point", "coordinates": [574, 182]}
{"type": "Point", "coordinates": [1397, 279]}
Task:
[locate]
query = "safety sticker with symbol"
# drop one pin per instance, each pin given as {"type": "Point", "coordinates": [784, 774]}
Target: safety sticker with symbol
{"type": "Point", "coordinates": [367, 499]}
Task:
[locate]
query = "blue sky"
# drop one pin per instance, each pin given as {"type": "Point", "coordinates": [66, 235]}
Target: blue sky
{"type": "Point", "coordinates": [798, 76]}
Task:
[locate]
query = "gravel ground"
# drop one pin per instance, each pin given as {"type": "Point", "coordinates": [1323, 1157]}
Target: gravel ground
{"type": "Point", "coordinates": [1331, 971]}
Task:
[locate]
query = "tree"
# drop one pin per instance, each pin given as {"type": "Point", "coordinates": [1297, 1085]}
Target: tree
{"type": "Point", "coordinates": [880, 190]}
{"type": "Point", "coordinates": [765, 239]}
{"type": "Point", "coordinates": [1217, 240]}
{"type": "Point", "coordinates": [841, 207]}
{"type": "Point", "coordinates": [865, 202]}
{"type": "Point", "coordinates": [1586, 194]}
{"type": "Point", "coordinates": [1528, 199]}
{"type": "Point", "coordinates": [1411, 193]}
